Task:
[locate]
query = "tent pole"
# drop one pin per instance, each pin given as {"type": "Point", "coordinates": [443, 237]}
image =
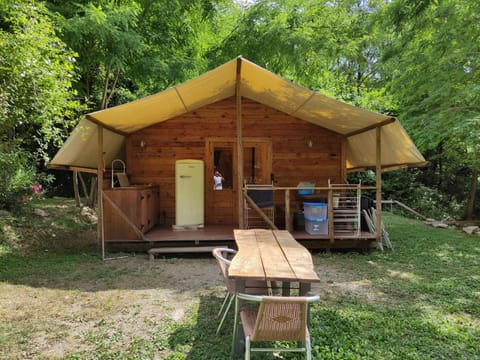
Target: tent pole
{"type": "Point", "coordinates": [241, 220]}
{"type": "Point", "coordinates": [100, 234]}
{"type": "Point", "coordinates": [378, 176]}
{"type": "Point", "coordinates": [343, 170]}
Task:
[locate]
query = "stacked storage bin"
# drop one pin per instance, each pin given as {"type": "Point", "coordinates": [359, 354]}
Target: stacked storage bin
{"type": "Point", "coordinates": [316, 218]}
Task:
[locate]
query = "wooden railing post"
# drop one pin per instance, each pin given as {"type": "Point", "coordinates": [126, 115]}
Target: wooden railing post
{"type": "Point", "coordinates": [238, 106]}
{"type": "Point", "coordinates": [378, 183]}
{"type": "Point", "coordinates": [331, 229]}
{"type": "Point", "coordinates": [288, 223]}
{"type": "Point", "coordinates": [100, 227]}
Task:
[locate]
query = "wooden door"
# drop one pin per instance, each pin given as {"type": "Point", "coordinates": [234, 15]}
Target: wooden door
{"type": "Point", "coordinates": [221, 155]}
{"type": "Point", "coordinates": [220, 201]}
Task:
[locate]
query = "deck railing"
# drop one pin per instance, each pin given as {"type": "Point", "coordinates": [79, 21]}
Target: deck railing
{"type": "Point", "coordinates": [318, 190]}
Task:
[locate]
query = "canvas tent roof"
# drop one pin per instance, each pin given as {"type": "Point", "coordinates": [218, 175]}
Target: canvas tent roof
{"type": "Point", "coordinates": [258, 84]}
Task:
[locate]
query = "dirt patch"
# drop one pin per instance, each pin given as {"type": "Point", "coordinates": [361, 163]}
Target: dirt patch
{"type": "Point", "coordinates": [361, 289]}
{"type": "Point", "coordinates": [126, 297]}
{"type": "Point", "coordinates": [335, 283]}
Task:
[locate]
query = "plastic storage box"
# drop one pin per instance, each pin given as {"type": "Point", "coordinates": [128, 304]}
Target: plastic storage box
{"type": "Point", "coordinates": [316, 227]}
{"type": "Point", "coordinates": [305, 191]}
{"type": "Point", "coordinates": [315, 211]}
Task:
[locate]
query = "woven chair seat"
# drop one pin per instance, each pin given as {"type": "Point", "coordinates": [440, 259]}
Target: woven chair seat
{"type": "Point", "coordinates": [276, 318]}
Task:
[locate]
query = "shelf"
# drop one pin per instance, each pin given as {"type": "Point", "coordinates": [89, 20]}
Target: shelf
{"type": "Point", "coordinates": [347, 212]}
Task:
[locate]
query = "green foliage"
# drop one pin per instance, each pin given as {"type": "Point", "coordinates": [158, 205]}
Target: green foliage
{"type": "Point", "coordinates": [104, 36]}
{"type": "Point", "coordinates": [432, 68]}
{"type": "Point", "coordinates": [134, 48]}
{"type": "Point", "coordinates": [37, 105]}
{"type": "Point", "coordinates": [177, 34]}
{"type": "Point", "coordinates": [16, 176]}
{"type": "Point", "coordinates": [290, 38]}
{"type": "Point", "coordinates": [407, 187]}
{"type": "Point", "coordinates": [36, 101]}
{"type": "Point", "coordinates": [331, 47]}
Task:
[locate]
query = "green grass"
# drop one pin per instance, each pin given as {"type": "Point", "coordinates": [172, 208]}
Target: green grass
{"type": "Point", "coordinates": [420, 301]}
{"type": "Point", "coordinates": [429, 302]}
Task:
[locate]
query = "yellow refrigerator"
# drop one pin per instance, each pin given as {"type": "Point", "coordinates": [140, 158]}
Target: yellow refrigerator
{"type": "Point", "coordinates": [189, 194]}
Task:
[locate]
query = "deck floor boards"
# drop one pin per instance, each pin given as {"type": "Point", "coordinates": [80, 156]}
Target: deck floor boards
{"type": "Point", "coordinates": [222, 235]}
{"type": "Point", "coordinates": [208, 233]}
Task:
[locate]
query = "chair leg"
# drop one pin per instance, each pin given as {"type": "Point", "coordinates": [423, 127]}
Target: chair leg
{"type": "Point", "coordinates": [231, 297]}
{"type": "Point", "coordinates": [247, 347]}
{"type": "Point", "coordinates": [237, 347]}
{"type": "Point", "coordinates": [227, 296]}
{"type": "Point", "coordinates": [308, 348]}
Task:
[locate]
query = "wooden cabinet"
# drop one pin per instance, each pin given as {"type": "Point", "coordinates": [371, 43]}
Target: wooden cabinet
{"type": "Point", "coordinates": [129, 211]}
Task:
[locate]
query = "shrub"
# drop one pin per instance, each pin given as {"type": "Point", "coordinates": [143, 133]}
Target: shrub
{"type": "Point", "coordinates": [16, 177]}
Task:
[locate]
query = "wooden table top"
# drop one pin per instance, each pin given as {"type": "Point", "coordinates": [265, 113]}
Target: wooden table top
{"type": "Point", "coordinates": [271, 255]}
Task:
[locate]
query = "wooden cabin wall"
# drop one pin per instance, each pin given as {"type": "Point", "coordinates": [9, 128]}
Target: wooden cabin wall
{"type": "Point", "coordinates": [183, 137]}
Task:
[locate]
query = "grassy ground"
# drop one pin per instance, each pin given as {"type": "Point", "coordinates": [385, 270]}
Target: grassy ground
{"type": "Point", "coordinates": [59, 300]}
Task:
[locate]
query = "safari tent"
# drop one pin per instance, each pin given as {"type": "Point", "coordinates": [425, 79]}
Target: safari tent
{"type": "Point", "coordinates": [266, 136]}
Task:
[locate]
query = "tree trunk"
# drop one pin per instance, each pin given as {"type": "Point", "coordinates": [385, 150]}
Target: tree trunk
{"type": "Point", "coordinates": [85, 190]}
{"type": "Point", "coordinates": [109, 88]}
{"type": "Point", "coordinates": [93, 192]}
{"type": "Point", "coordinates": [472, 195]}
{"type": "Point", "coordinates": [75, 189]}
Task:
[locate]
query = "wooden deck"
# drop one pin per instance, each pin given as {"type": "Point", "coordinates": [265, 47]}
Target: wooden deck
{"type": "Point", "coordinates": [222, 235]}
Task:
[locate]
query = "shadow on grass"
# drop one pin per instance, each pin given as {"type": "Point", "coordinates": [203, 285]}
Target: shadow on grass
{"type": "Point", "coordinates": [86, 271]}
{"type": "Point", "coordinates": [195, 339]}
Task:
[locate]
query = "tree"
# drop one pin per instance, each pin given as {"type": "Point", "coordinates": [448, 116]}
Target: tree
{"type": "Point", "coordinates": [432, 68]}
{"type": "Point", "coordinates": [37, 104]}
{"type": "Point", "coordinates": [177, 34]}
{"type": "Point", "coordinates": [332, 47]}
{"type": "Point", "coordinates": [105, 37]}
{"type": "Point", "coordinates": [36, 99]}
{"type": "Point", "coordinates": [129, 49]}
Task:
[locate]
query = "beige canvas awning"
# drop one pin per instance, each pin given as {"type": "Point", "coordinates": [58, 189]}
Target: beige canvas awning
{"type": "Point", "coordinates": [258, 84]}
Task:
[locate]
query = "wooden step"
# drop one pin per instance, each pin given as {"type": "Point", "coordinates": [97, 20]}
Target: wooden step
{"type": "Point", "coordinates": [182, 250]}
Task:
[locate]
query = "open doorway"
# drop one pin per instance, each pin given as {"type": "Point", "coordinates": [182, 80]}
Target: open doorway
{"type": "Point", "coordinates": [221, 156]}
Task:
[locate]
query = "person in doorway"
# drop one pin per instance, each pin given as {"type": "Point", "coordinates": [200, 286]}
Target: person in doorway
{"type": "Point", "coordinates": [218, 180]}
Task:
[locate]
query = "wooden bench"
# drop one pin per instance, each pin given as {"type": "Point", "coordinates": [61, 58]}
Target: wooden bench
{"type": "Point", "coordinates": [181, 250]}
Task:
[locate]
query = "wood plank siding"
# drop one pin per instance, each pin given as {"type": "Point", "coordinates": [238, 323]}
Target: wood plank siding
{"type": "Point", "coordinates": [185, 137]}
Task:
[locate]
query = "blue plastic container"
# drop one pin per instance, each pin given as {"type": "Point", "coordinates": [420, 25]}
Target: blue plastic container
{"type": "Point", "coordinates": [315, 211]}
{"type": "Point", "coordinates": [316, 227]}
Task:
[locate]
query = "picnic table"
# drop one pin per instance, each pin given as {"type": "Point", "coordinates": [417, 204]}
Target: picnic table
{"type": "Point", "coordinates": [271, 256]}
